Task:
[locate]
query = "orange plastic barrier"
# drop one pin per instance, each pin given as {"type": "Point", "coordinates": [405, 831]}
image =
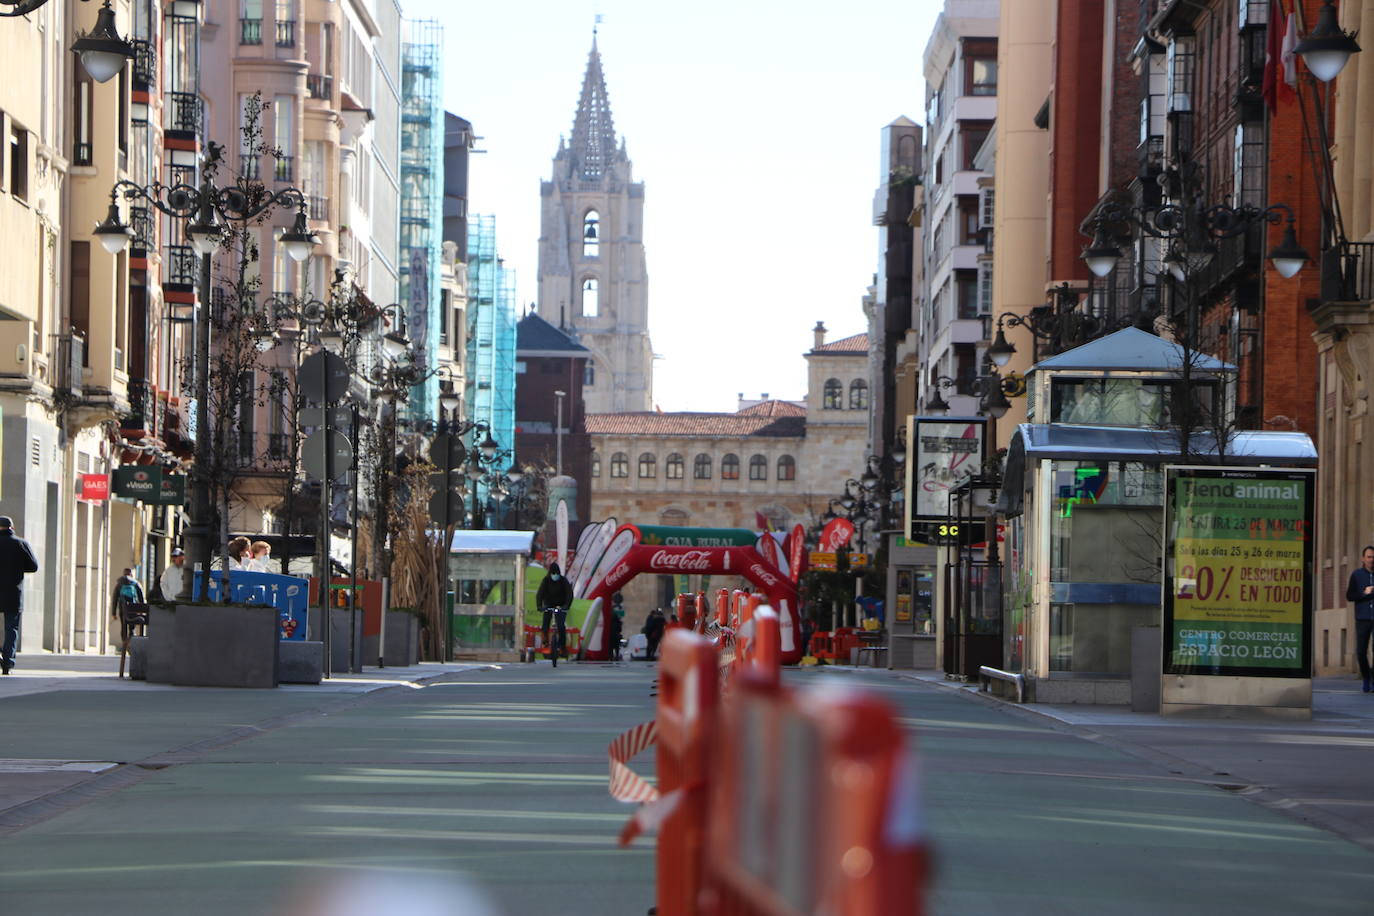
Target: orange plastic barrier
{"type": "Point", "coordinates": [762, 654]}
{"type": "Point", "coordinates": [534, 638]}
{"type": "Point", "coordinates": [699, 605]}
{"type": "Point", "coordinates": [687, 611]}
{"type": "Point", "coordinates": [687, 713]}
{"type": "Point", "coordinates": [723, 607]}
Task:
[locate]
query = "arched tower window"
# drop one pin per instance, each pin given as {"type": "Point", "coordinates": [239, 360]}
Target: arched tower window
{"type": "Point", "coordinates": [591, 235]}
{"type": "Point", "coordinates": [858, 394]}
{"type": "Point", "coordinates": [591, 298]}
{"type": "Point", "coordinates": [832, 397]}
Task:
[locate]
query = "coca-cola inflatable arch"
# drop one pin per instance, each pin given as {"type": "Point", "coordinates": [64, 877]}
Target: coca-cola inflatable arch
{"type": "Point", "coordinates": [625, 554]}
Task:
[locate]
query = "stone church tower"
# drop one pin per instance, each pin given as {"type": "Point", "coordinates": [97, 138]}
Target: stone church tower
{"type": "Point", "coordinates": [592, 281]}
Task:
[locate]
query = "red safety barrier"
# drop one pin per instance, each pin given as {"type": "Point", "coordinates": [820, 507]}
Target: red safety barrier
{"type": "Point", "coordinates": [762, 658]}
{"type": "Point", "coordinates": [699, 605]}
{"type": "Point", "coordinates": [534, 639]}
{"type": "Point", "coordinates": [687, 713]}
{"type": "Point", "coordinates": [813, 809]}
{"type": "Point", "coordinates": [687, 611]}
{"type": "Point", "coordinates": [723, 607]}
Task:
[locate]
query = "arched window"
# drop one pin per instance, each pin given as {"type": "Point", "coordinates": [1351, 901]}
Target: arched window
{"type": "Point", "coordinates": [677, 517]}
{"type": "Point", "coordinates": [833, 399]}
{"type": "Point", "coordinates": [591, 235]}
{"type": "Point", "coordinates": [620, 465]}
{"type": "Point", "coordinates": [729, 467]}
{"type": "Point", "coordinates": [787, 468]}
{"type": "Point", "coordinates": [758, 468]}
{"type": "Point", "coordinates": [673, 468]}
{"type": "Point", "coordinates": [648, 465]}
{"type": "Point", "coordinates": [701, 467]}
{"type": "Point", "coordinates": [596, 465]}
{"type": "Point", "coordinates": [858, 394]}
{"type": "Point", "coordinates": [591, 299]}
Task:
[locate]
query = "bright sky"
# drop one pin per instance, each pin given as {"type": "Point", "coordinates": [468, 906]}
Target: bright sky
{"type": "Point", "coordinates": [755, 126]}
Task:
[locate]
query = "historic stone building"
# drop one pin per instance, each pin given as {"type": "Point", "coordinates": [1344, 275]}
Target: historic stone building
{"type": "Point", "coordinates": [592, 279]}
{"type": "Point", "coordinates": [772, 460]}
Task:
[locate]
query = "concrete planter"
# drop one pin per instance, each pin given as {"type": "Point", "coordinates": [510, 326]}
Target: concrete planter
{"type": "Point", "coordinates": [221, 645]}
{"type": "Point", "coordinates": [402, 642]}
{"type": "Point", "coordinates": [300, 662]}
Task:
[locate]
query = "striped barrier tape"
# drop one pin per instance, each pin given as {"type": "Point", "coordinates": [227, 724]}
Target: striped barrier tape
{"type": "Point", "coordinates": [627, 785]}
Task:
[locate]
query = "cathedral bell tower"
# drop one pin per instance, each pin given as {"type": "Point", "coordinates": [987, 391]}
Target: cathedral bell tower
{"type": "Point", "coordinates": [592, 281]}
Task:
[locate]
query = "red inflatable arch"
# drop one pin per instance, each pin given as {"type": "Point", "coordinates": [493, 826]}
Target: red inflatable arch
{"type": "Point", "coordinates": [734, 560]}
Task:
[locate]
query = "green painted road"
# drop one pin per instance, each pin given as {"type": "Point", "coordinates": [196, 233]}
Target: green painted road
{"type": "Point", "coordinates": [230, 802]}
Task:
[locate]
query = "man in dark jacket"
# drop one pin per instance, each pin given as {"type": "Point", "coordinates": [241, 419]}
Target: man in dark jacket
{"type": "Point", "coordinates": [16, 559]}
{"type": "Point", "coordinates": [653, 631]}
{"type": "Point", "coordinates": [1360, 590]}
{"type": "Point", "coordinates": [554, 597]}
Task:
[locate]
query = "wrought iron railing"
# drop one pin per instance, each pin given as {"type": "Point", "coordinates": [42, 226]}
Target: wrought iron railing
{"type": "Point", "coordinates": [278, 446]}
{"type": "Point", "coordinates": [182, 266]}
{"type": "Point", "coordinates": [140, 415]}
{"type": "Point", "coordinates": [286, 33]}
{"type": "Point", "coordinates": [250, 31]}
{"type": "Point", "coordinates": [283, 168]}
{"type": "Point", "coordinates": [145, 64]}
{"type": "Point", "coordinates": [247, 444]}
{"type": "Point", "coordinates": [141, 221]}
{"type": "Point", "coordinates": [319, 86]}
{"type": "Point", "coordinates": [1348, 272]}
{"type": "Point", "coordinates": [71, 362]}
{"type": "Point", "coordinates": [181, 175]}
{"type": "Point", "coordinates": [183, 112]}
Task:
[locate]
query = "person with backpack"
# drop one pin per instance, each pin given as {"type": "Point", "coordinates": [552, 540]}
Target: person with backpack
{"type": "Point", "coordinates": [126, 591]}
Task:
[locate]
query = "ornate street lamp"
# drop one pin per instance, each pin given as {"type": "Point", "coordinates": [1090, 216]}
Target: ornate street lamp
{"type": "Point", "coordinates": [991, 389]}
{"type": "Point", "coordinates": [1327, 48]}
{"type": "Point", "coordinates": [102, 50]}
{"type": "Point", "coordinates": [206, 209]}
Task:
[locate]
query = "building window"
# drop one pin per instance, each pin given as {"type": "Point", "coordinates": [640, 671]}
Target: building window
{"type": "Point", "coordinates": [675, 517]}
{"type": "Point", "coordinates": [591, 299]}
{"type": "Point", "coordinates": [19, 162]}
{"type": "Point", "coordinates": [972, 136]}
{"type": "Point", "coordinates": [858, 394]}
{"type": "Point", "coordinates": [82, 150]}
{"type": "Point", "coordinates": [591, 241]}
{"type": "Point", "coordinates": [648, 465]}
{"type": "Point", "coordinates": [596, 465]}
{"type": "Point", "coordinates": [620, 465]}
{"type": "Point", "coordinates": [729, 467]}
{"type": "Point", "coordinates": [588, 375]}
{"type": "Point", "coordinates": [981, 76]}
{"type": "Point", "coordinates": [787, 468]}
{"type": "Point", "coordinates": [833, 399]}
{"type": "Point", "coordinates": [674, 467]}
{"type": "Point", "coordinates": [758, 468]}
{"type": "Point", "coordinates": [701, 467]}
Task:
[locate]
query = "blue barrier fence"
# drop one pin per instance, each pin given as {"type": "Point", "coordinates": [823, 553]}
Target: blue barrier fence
{"type": "Point", "coordinates": [290, 595]}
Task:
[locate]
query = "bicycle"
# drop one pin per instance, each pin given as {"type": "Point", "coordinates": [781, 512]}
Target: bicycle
{"type": "Point", "coordinates": [560, 617]}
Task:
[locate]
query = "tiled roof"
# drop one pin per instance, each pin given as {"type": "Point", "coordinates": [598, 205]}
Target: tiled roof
{"type": "Point", "coordinates": [856, 344]}
{"type": "Point", "coordinates": [773, 408]}
{"type": "Point", "coordinates": [709, 425]}
{"type": "Point", "coordinates": [535, 334]}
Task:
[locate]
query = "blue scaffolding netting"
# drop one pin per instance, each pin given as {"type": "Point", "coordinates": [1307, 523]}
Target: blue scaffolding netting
{"type": "Point", "coordinates": [491, 336]}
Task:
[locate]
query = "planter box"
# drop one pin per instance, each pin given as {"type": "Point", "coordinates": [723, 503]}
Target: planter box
{"type": "Point", "coordinates": [223, 645]}
{"type": "Point", "coordinates": [402, 642]}
{"type": "Point", "coordinates": [160, 646]}
{"type": "Point", "coordinates": [300, 662]}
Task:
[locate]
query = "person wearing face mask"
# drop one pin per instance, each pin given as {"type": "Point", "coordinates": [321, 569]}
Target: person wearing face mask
{"type": "Point", "coordinates": [554, 597]}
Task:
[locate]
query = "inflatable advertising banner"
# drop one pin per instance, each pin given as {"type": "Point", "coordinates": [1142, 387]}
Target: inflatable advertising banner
{"type": "Point", "coordinates": [628, 555]}
{"type": "Point", "coordinates": [1238, 572]}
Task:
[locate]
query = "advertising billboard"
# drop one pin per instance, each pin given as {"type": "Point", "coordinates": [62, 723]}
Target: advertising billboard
{"type": "Point", "coordinates": [944, 452]}
{"type": "Point", "coordinates": [1238, 572]}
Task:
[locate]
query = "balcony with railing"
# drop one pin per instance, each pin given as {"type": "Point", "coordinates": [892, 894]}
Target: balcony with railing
{"type": "Point", "coordinates": [182, 267]}
{"type": "Point", "coordinates": [1347, 272]}
{"type": "Point", "coordinates": [278, 446]}
{"type": "Point", "coordinates": [141, 419]}
{"type": "Point", "coordinates": [318, 207]}
{"type": "Point", "coordinates": [71, 362]}
{"type": "Point", "coordinates": [250, 167]}
{"type": "Point", "coordinates": [250, 31]}
{"type": "Point", "coordinates": [319, 86]}
{"type": "Point", "coordinates": [141, 222]}
{"type": "Point", "coordinates": [145, 64]}
{"type": "Point", "coordinates": [283, 168]}
{"type": "Point", "coordinates": [184, 113]}
{"type": "Point", "coordinates": [286, 33]}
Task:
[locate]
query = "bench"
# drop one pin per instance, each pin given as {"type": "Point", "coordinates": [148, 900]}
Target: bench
{"type": "Point", "coordinates": [987, 675]}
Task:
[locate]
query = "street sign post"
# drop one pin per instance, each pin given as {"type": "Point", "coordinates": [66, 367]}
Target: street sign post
{"type": "Point", "coordinates": [313, 456]}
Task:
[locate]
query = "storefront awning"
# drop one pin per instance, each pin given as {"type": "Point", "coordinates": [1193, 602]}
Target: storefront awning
{"type": "Point", "coordinates": [1149, 446]}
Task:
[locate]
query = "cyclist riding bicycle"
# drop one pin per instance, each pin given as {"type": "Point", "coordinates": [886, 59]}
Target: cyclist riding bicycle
{"type": "Point", "coordinates": [554, 597]}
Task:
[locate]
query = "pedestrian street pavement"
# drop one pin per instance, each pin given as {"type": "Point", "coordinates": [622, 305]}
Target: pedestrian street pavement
{"type": "Point", "coordinates": [399, 786]}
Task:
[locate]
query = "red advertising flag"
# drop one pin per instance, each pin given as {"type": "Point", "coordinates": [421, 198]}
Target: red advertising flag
{"type": "Point", "coordinates": [95, 487]}
{"type": "Point", "coordinates": [796, 552]}
{"type": "Point", "coordinates": [1274, 84]}
{"type": "Point", "coordinates": [836, 534]}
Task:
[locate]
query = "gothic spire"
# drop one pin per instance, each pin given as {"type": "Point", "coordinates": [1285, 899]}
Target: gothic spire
{"type": "Point", "coordinates": [593, 134]}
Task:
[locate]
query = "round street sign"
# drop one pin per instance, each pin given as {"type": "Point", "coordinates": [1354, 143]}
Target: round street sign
{"type": "Point", "coordinates": [323, 377]}
{"type": "Point", "coordinates": [312, 453]}
{"type": "Point", "coordinates": [447, 451]}
{"type": "Point", "coordinates": [456, 507]}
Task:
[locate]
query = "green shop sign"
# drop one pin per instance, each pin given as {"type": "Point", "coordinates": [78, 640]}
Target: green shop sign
{"type": "Point", "coordinates": [173, 492]}
{"type": "Point", "coordinates": [1238, 572]}
{"type": "Point", "coordinates": [137, 481]}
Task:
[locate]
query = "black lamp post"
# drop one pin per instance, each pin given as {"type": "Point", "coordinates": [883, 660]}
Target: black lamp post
{"type": "Point", "coordinates": [102, 50]}
{"type": "Point", "coordinates": [991, 389]}
{"type": "Point", "coordinates": [206, 210]}
{"type": "Point", "coordinates": [1327, 48]}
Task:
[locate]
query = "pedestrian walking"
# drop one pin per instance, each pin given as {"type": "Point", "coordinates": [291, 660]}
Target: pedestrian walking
{"type": "Point", "coordinates": [614, 632]}
{"type": "Point", "coordinates": [653, 632]}
{"type": "Point", "coordinates": [1361, 591]}
{"type": "Point", "coordinates": [127, 591]}
{"type": "Point", "coordinates": [173, 580]}
{"type": "Point", "coordinates": [16, 560]}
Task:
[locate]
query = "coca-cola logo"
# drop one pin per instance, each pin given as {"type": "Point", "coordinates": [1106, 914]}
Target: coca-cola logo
{"type": "Point", "coordinates": [760, 573]}
{"type": "Point", "coordinates": [618, 573]}
{"type": "Point", "coordinates": [687, 561]}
